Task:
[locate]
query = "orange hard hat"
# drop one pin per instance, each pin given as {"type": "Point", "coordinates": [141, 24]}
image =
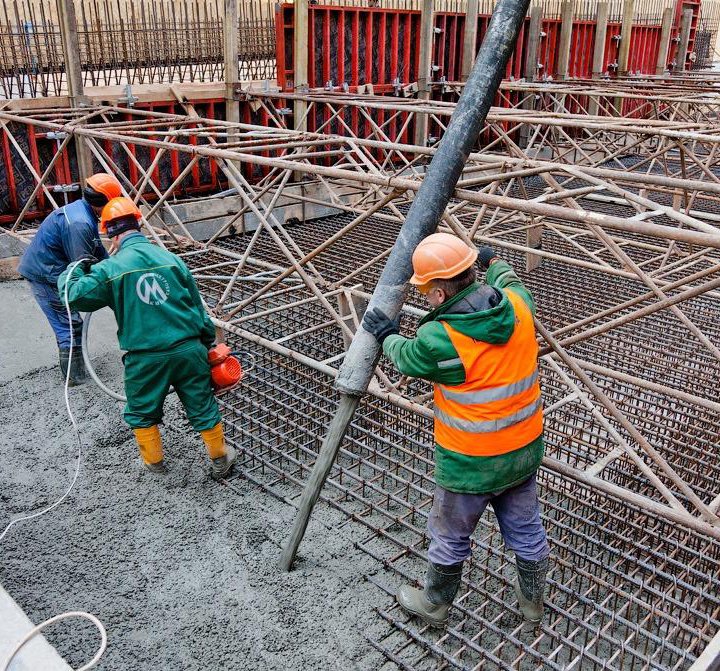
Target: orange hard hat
{"type": "Point", "coordinates": [441, 256]}
{"type": "Point", "coordinates": [102, 183]}
{"type": "Point", "coordinates": [117, 208]}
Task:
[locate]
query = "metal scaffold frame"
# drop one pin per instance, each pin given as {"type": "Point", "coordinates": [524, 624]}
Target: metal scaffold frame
{"type": "Point", "coordinates": [623, 256]}
{"type": "Point", "coordinates": [500, 199]}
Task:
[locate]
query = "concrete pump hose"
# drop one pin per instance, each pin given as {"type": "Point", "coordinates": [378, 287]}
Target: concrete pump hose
{"type": "Point", "coordinates": [88, 363]}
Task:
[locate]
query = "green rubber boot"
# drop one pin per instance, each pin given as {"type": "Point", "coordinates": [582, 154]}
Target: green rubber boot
{"type": "Point", "coordinates": [432, 604]}
{"type": "Point", "coordinates": [529, 589]}
{"type": "Point", "coordinates": [78, 375]}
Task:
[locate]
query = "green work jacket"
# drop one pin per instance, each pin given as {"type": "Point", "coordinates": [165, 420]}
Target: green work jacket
{"type": "Point", "coordinates": [432, 356]}
{"type": "Point", "coordinates": [151, 291]}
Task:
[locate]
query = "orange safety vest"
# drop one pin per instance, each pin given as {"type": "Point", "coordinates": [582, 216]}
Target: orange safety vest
{"type": "Point", "coordinates": [498, 408]}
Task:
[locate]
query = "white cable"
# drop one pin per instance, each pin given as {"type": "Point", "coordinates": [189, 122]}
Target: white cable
{"type": "Point", "coordinates": [72, 419]}
{"type": "Point", "coordinates": [36, 630]}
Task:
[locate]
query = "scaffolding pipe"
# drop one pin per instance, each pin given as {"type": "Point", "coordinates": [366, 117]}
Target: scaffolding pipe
{"type": "Point", "coordinates": [423, 217]}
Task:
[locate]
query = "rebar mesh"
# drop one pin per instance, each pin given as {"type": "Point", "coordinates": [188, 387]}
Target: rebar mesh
{"type": "Point", "coordinates": [627, 589]}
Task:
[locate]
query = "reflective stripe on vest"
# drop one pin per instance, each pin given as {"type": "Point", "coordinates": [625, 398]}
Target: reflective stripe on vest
{"type": "Point", "coordinates": [498, 408]}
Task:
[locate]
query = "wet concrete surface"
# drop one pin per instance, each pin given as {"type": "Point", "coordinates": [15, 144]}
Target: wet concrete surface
{"type": "Point", "coordinates": [181, 570]}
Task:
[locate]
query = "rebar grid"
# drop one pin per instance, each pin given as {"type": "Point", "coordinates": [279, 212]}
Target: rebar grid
{"type": "Point", "coordinates": [138, 43]}
{"type": "Point", "coordinates": [632, 349]}
{"type": "Point", "coordinates": [627, 590]}
{"type": "Point", "coordinates": [627, 602]}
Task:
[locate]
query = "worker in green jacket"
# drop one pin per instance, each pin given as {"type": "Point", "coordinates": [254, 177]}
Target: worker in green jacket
{"type": "Point", "coordinates": [478, 347]}
{"type": "Point", "coordinates": [163, 327]}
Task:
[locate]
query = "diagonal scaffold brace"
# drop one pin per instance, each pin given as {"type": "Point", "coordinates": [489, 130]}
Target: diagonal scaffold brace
{"type": "Point", "coordinates": [422, 220]}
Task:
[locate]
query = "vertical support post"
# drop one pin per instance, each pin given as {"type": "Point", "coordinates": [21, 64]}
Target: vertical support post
{"type": "Point", "coordinates": [469, 38]}
{"type": "Point", "coordinates": [601, 22]}
{"type": "Point", "coordinates": [664, 48]}
{"type": "Point", "coordinates": [300, 61]}
{"type": "Point", "coordinates": [427, 33]}
{"type": "Point", "coordinates": [566, 25]}
{"type": "Point", "coordinates": [625, 35]}
{"type": "Point", "coordinates": [533, 239]}
{"type": "Point", "coordinates": [73, 75]}
{"type": "Point", "coordinates": [530, 67]}
{"type": "Point", "coordinates": [682, 51]}
{"type": "Point", "coordinates": [232, 76]}
{"type": "Point", "coordinates": [533, 43]}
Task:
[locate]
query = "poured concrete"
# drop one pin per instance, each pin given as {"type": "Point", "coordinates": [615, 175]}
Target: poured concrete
{"type": "Point", "coordinates": [181, 571]}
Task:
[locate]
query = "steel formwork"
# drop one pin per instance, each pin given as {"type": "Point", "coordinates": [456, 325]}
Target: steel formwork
{"type": "Point", "coordinates": [622, 257]}
{"type": "Point", "coordinates": [356, 46]}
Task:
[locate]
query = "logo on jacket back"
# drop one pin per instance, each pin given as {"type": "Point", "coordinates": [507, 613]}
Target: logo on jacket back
{"type": "Point", "coordinates": [152, 289]}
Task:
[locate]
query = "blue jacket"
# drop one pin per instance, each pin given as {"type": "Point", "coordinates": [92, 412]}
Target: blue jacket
{"type": "Point", "coordinates": [66, 235]}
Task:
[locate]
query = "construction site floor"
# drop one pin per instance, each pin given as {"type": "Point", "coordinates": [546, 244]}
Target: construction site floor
{"type": "Point", "coordinates": [181, 570]}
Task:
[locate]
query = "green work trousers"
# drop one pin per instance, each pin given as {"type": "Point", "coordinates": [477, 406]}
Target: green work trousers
{"type": "Point", "coordinates": [149, 375]}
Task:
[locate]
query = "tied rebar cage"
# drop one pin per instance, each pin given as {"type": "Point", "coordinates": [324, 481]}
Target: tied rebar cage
{"type": "Point", "coordinates": [146, 42]}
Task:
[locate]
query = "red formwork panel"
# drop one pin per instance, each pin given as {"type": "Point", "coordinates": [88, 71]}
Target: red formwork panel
{"type": "Point", "coordinates": [354, 46]}
{"type": "Point", "coordinates": [338, 53]}
{"type": "Point", "coordinates": [582, 42]}
{"type": "Point", "coordinates": [612, 48]}
{"type": "Point", "coordinates": [547, 49]}
{"type": "Point", "coordinates": [338, 39]}
{"type": "Point", "coordinates": [644, 46]}
{"type": "Point", "coordinates": [39, 149]}
{"type": "Point", "coordinates": [17, 177]}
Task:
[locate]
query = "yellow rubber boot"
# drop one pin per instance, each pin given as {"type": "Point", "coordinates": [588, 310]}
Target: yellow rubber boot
{"type": "Point", "coordinates": [150, 444]}
{"type": "Point", "coordinates": [223, 456]}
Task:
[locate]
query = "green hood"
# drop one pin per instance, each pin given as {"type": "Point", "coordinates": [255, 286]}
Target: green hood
{"type": "Point", "coordinates": [494, 326]}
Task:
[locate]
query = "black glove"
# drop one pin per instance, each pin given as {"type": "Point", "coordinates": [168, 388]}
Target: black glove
{"type": "Point", "coordinates": [378, 324]}
{"type": "Point", "coordinates": [87, 264]}
{"type": "Point", "coordinates": [485, 255]}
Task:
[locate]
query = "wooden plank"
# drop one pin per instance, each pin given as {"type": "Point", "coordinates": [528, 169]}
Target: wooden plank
{"type": "Point", "coordinates": [625, 35]}
{"type": "Point", "coordinates": [682, 50]}
{"type": "Point", "coordinates": [230, 48]}
{"type": "Point", "coordinates": [566, 26]}
{"type": "Point", "coordinates": [664, 47]}
{"type": "Point", "coordinates": [73, 70]}
{"type": "Point", "coordinates": [300, 60]}
{"type": "Point", "coordinates": [427, 34]}
{"type": "Point", "coordinates": [469, 38]}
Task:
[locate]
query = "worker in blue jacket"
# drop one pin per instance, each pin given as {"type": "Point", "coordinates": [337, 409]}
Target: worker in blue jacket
{"type": "Point", "coordinates": [67, 234]}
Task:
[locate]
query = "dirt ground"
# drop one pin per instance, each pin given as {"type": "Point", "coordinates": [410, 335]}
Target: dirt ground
{"type": "Point", "coordinates": [181, 570]}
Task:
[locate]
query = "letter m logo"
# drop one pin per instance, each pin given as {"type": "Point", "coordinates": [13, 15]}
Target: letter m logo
{"type": "Point", "coordinates": [152, 289]}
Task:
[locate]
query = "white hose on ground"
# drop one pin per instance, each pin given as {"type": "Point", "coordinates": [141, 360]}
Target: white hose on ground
{"type": "Point", "coordinates": [36, 630]}
{"type": "Point", "coordinates": [39, 513]}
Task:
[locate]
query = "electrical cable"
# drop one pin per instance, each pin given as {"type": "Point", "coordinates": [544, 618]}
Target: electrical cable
{"type": "Point", "coordinates": [62, 616]}
{"type": "Point", "coordinates": [88, 364]}
{"type": "Point", "coordinates": [243, 353]}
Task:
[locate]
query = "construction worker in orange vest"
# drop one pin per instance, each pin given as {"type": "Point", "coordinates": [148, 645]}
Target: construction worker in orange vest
{"type": "Point", "coordinates": [478, 347]}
